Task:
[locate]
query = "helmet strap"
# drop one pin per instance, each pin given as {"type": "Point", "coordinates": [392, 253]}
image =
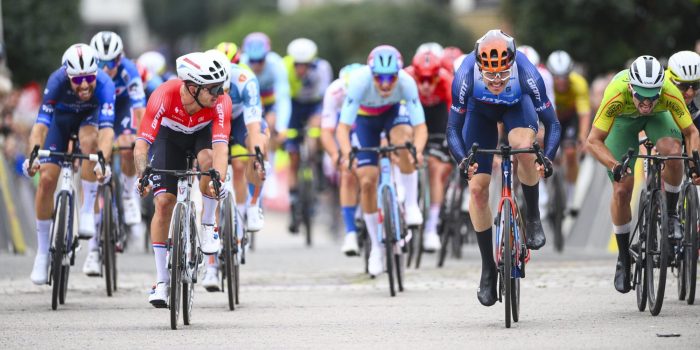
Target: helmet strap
{"type": "Point", "coordinates": [196, 96]}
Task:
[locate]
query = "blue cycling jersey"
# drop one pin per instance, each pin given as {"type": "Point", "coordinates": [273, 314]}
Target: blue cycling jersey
{"type": "Point", "coordinates": [128, 84]}
{"type": "Point", "coordinates": [245, 95]}
{"type": "Point", "coordinates": [525, 80]}
{"type": "Point", "coordinates": [274, 87]}
{"type": "Point", "coordinates": [58, 95]}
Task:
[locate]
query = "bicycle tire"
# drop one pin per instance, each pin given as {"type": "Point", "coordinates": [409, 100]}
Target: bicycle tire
{"type": "Point", "coordinates": [507, 258]}
{"type": "Point", "coordinates": [226, 228]}
{"type": "Point", "coordinates": [107, 245]}
{"type": "Point", "coordinates": [679, 252]}
{"type": "Point", "coordinates": [193, 265]}
{"type": "Point", "coordinates": [557, 211]}
{"type": "Point", "coordinates": [639, 277]}
{"type": "Point", "coordinates": [399, 270]}
{"type": "Point", "coordinates": [59, 235]}
{"type": "Point", "coordinates": [690, 254]}
{"type": "Point", "coordinates": [388, 236]}
{"type": "Point", "coordinates": [657, 245]}
{"type": "Point", "coordinates": [176, 253]}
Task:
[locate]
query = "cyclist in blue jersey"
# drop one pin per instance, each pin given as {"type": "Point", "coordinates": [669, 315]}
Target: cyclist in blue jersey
{"type": "Point", "coordinates": [247, 130]}
{"type": "Point", "coordinates": [78, 98]}
{"type": "Point", "coordinates": [309, 77]}
{"type": "Point", "coordinates": [156, 65]}
{"type": "Point", "coordinates": [150, 80]}
{"type": "Point", "coordinates": [372, 104]}
{"type": "Point", "coordinates": [494, 84]}
{"type": "Point", "coordinates": [129, 106]}
{"type": "Point", "coordinates": [274, 88]}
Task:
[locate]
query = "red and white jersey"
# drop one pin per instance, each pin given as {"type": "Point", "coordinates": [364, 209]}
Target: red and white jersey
{"type": "Point", "coordinates": [443, 90]}
{"type": "Point", "coordinates": [165, 109]}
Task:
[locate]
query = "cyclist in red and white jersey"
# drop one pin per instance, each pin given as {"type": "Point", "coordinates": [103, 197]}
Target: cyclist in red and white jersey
{"type": "Point", "coordinates": [188, 114]}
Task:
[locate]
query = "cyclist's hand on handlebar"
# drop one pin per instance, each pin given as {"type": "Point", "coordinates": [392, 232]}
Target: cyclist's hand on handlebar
{"type": "Point", "coordinates": [30, 170]}
{"type": "Point", "coordinates": [544, 169]}
{"type": "Point", "coordinates": [143, 186]}
{"type": "Point", "coordinates": [215, 186]}
{"type": "Point", "coordinates": [618, 172]}
{"type": "Point", "coordinates": [419, 159]}
{"type": "Point", "coordinates": [468, 170]}
{"type": "Point", "coordinates": [103, 178]}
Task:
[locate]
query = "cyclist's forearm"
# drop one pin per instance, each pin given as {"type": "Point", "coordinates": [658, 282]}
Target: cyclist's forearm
{"type": "Point", "coordinates": [138, 115]}
{"type": "Point", "coordinates": [141, 156]}
{"type": "Point", "coordinates": [420, 137]}
{"type": "Point", "coordinates": [220, 158]}
{"type": "Point", "coordinates": [342, 133]}
{"type": "Point", "coordinates": [584, 125]}
{"type": "Point", "coordinates": [38, 135]}
{"type": "Point", "coordinates": [692, 140]}
{"type": "Point", "coordinates": [328, 142]}
{"type": "Point", "coordinates": [105, 140]}
{"type": "Point", "coordinates": [597, 148]}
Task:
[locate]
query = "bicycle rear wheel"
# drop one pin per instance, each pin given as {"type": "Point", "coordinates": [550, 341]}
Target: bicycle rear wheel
{"type": "Point", "coordinates": [177, 248]}
{"type": "Point", "coordinates": [107, 245]}
{"type": "Point", "coordinates": [657, 250]}
{"type": "Point", "coordinates": [389, 235]}
{"type": "Point", "coordinates": [507, 261]}
{"type": "Point", "coordinates": [690, 243]}
{"type": "Point", "coordinates": [60, 229]}
{"type": "Point", "coordinates": [638, 252]}
{"type": "Point", "coordinates": [227, 233]}
{"type": "Point", "coordinates": [556, 214]}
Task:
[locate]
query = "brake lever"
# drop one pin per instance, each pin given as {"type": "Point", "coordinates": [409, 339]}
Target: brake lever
{"type": "Point", "coordinates": [101, 161]}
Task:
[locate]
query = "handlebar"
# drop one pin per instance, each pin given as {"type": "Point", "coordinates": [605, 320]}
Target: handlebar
{"type": "Point", "coordinates": [626, 159]}
{"type": "Point", "coordinates": [506, 150]}
{"type": "Point", "coordinates": [44, 153]}
{"type": "Point", "coordinates": [383, 151]}
{"type": "Point", "coordinates": [212, 173]}
{"type": "Point", "coordinates": [259, 157]}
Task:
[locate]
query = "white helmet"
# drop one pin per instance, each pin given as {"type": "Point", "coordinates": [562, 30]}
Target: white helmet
{"type": "Point", "coordinates": [559, 63]}
{"type": "Point", "coordinates": [302, 50]}
{"type": "Point", "coordinates": [108, 45]}
{"type": "Point", "coordinates": [223, 61]}
{"type": "Point", "coordinates": [530, 53]}
{"type": "Point", "coordinates": [433, 47]}
{"type": "Point", "coordinates": [80, 59]}
{"type": "Point", "coordinates": [458, 62]}
{"type": "Point", "coordinates": [684, 66]}
{"type": "Point", "coordinates": [201, 69]}
{"type": "Point", "coordinates": [647, 73]}
{"type": "Point", "coordinates": [154, 61]}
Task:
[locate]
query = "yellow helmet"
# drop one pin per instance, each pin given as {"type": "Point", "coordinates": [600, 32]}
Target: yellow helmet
{"type": "Point", "coordinates": [230, 50]}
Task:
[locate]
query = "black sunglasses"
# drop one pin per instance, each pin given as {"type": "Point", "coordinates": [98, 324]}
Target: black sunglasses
{"type": "Point", "coordinates": [215, 90]}
{"type": "Point", "coordinates": [685, 86]}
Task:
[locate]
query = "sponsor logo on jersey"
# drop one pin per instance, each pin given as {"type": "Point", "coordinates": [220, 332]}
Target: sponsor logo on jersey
{"type": "Point", "coordinates": [533, 86]}
{"type": "Point", "coordinates": [462, 91]}
{"type": "Point", "coordinates": [108, 109]}
{"type": "Point", "coordinates": [614, 109]}
{"type": "Point", "coordinates": [220, 114]}
{"type": "Point", "coordinates": [157, 117]}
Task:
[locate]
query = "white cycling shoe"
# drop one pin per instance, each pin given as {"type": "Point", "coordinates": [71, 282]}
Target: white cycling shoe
{"type": "Point", "coordinates": [431, 242]}
{"type": "Point", "coordinates": [132, 210]}
{"type": "Point", "coordinates": [350, 247]}
{"type": "Point", "coordinates": [376, 261]}
{"type": "Point", "coordinates": [86, 228]}
{"type": "Point", "coordinates": [159, 295]}
{"type": "Point", "coordinates": [211, 282]}
{"type": "Point", "coordinates": [254, 219]}
{"type": "Point", "coordinates": [210, 239]}
{"type": "Point", "coordinates": [40, 271]}
{"type": "Point", "coordinates": [413, 215]}
{"type": "Point", "coordinates": [92, 266]}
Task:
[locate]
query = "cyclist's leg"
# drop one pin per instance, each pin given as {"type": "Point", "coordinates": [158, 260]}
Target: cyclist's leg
{"type": "Point", "coordinates": [87, 137]}
{"type": "Point", "coordinates": [623, 135]}
{"type": "Point", "coordinates": [295, 136]}
{"type": "Point", "coordinates": [399, 129]}
{"type": "Point", "coordinates": [666, 135]}
{"type": "Point", "coordinates": [439, 167]}
{"type": "Point", "coordinates": [255, 136]}
{"type": "Point", "coordinates": [568, 144]}
{"type": "Point", "coordinates": [125, 131]}
{"type": "Point", "coordinates": [484, 130]}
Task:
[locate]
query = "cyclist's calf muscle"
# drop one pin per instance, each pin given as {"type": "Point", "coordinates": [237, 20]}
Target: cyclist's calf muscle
{"type": "Point", "coordinates": [479, 202]}
{"type": "Point", "coordinates": [48, 179]}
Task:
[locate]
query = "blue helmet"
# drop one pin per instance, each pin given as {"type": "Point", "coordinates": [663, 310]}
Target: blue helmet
{"type": "Point", "coordinates": [256, 46]}
{"type": "Point", "coordinates": [385, 59]}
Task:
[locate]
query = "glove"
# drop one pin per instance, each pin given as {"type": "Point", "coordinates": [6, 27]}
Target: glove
{"type": "Point", "coordinates": [617, 172]}
{"type": "Point", "coordinates": [34, 167]}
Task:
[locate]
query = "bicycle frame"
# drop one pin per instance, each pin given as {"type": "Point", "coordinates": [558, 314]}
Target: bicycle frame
{"type": "Point", "coordinates": [507, 195]}
{"type": "Point", "coordinates": [386, 181]}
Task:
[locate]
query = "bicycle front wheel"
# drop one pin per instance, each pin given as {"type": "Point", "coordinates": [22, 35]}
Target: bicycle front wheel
{"type": "Point", "coordinates": [507, 257]}
{"type": "Point", "coordinates": [107, 244]}
{"type": "Point", "coordinates": [638, 252]}
{"type": "Point", "coordinates": [226, 230]}
{"type": "Point", "coordinates": [657, 250]}
{"type": "Point", "coordinates": [690, 243]}
{"type": "Point", "coordinates": [389, 235]}
{"type": "Point", "coordinates": [177, 249]}
{"type": "Point", "coordinates": [60, 229]}
{"type": "Point", "coordinates": [191, 267]}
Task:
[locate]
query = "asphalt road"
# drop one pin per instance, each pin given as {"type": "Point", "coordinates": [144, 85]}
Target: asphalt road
{"type": "Point", "coordinates": [298, 297]}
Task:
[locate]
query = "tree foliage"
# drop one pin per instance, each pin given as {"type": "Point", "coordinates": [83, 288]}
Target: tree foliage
{"type": "Point", "coordinates": [604, 34]}
{"type": "Point", "coordinates": [346, 33]}
{"type": "Point", "coordinates": [37, 32]}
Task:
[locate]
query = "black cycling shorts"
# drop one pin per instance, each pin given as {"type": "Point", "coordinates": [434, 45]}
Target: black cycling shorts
{"type": "Point", "coordinates": [436, 121]}
{"type": "Point", "coordinates": [169, 152]}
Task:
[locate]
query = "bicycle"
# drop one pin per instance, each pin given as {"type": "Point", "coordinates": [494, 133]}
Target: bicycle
{"type": "Point", "coordinates": [63, 243]}
{"type": "Point", "coordinates": [229, 221]}
{"type": "Point", "coordinates": [309, 181]}
{"type": "Point", "coordinates": [452, 219]}
{"type": "Point", "coordinates": [651, 250]}
{"type": "Point", "coordinates": [416, 246]}
{"type": "Point", "coordinates": [511, 252]}
{"type": "Point", "coordinates": [391, 230]}
{"type": "Point", "coordinates": [556, 207]}
{"type": "Point", "coordinates": [186, 257]}
{"type": "Point", "coordinates": [685, 251]}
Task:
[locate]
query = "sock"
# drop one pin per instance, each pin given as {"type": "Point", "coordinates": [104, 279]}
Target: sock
{"type": "Point", "coordinates": [349, 218]}
{"type": "Point", "coordinates": [570, 190]}
{"type": "Point", "coordinates": [241, 215]}
{"type": "Point", "coordinates": [93, 244]}
{"type": "Point", "coordinates": [433, 218]}
{"type": "Point", "coordinates": [89, 194]}
{"type": "Point", "coordinates": [400, 188]}
{"type": "Point", "coordinates": [531, 194]}
{"type": "Point", "coordinates": [212, 262]}
{"type": "Point", "coordinates": [42, 236]}
{"type": "Point", "coordinates": [129, 183]}
{"type": "Point", "coordinates": [160, 254]}
{"type": "Point", "coordinates": [672, 193]}
{"type": "Point", "coordinates": [485, 241]}
{"type": "Point", "coordinates": [622, 236]}
{"type": "Point", "coordinates": [252, 193]}
{"type": "Point", "coordinates": [98, 222]}
{"type": "Point", "coordinates": [372, 223]}
{"type": "Point", "coordinates": [208, 210]}
{"type": "Point", "coordinates": [410, 184]}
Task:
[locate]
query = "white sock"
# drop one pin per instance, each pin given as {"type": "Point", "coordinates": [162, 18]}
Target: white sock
{"type": "Point", "coordinates": [161, 256]}
{"type": "Point", "coordinates": [89, 194]}
{"type": "Point", "coordinates": [129, 183]}
{"type": "Point", "coordinates": [410, 184]}
{"type": "Point", "coordinates": [208, 210]}
{"type": "Point", "coordinates": [212, 262]}
{"type": "Point", "coordinates": [433, 218]}
{"type": "Point", "coordinates": [43, 228]}
{"type": "Point", "coordinates": [93, 244]}
{"type": "Point", "coordinates": [570, 190]}
{"type": "Point", "coordinates": [400, 188]}
{"type": "Point", "coordinates": [372, 223]}
{"type": "Point", "coordinates": [241, 208]}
